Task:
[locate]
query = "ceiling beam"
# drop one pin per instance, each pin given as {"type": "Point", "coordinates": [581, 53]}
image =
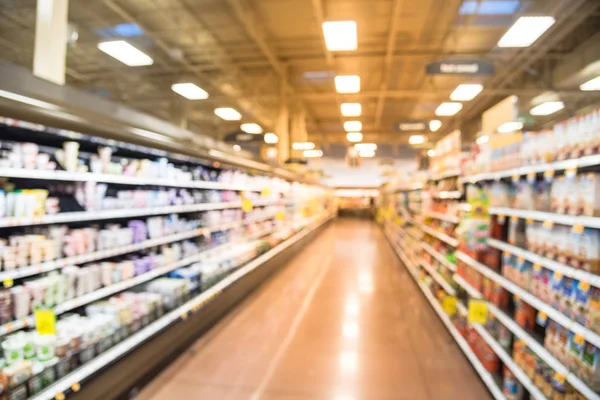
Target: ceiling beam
{"type": "Point", "coordinates": [317, 6]}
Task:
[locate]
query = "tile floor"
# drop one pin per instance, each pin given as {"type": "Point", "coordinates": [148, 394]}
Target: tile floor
{"type": "Point", "coordinates": [342, 321]}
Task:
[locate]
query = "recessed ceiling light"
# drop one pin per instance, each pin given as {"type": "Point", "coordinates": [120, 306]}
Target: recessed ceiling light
{"type": "Point", "coordinates": [526, 31]}
{"type": "Point", "coordinates": [547, 108]}
{"type": "Point", "coordinates": [365, 146]}
{"type": "Point", "coordinates": [416, 139]}
{"type": "Point", "coordinates": [126, 53]}
{"type": "Point", "coordinates": [340, 35]}
{"type": "Point", "coordinates": [190, 91]}
{"type": "Point", "coordinates": [353, 126]}
{"type": "Point", "coordinates": [228, 114]}
{"type": "Point", "coordinates": [271, 138]}
{"type": "Point", "coordinates": [412, 126]}
{"type": "Point", "coordinates": [347, 83]}
{"type": "Point", "coordinates": [435, 125]}
{"type": "Point", "coordinates": [431, 153]}
{"type": "Point", "coordinates": [354, 137]}
{"type": "Point", "coordinates": [303, 145]}
{"type": "Point", "coordinates": [448, 109]}
{"type": "Point", "coordinates": [590, 85]}
{"type": "Point", "coordinates": [313, 153]}
{"type": "Point", "coordinates": [466, 92]}
{"type": "Point", "coordinates": [27, 100]}
{"type": "Point", "coordinates": [254, 129]}
{"type": "Point", "coordinates": [351, 109]}
{"type": "Point", "coordinates": [366, 153]}
{"type": "Point", "coordinates": [510, 127]}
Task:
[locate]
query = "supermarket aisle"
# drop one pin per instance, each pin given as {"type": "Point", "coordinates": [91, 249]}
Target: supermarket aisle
{"type": "Point", "coordinates": [342, 321]}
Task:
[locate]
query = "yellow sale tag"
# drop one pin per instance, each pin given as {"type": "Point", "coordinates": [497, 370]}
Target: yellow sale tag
{"type": "Point", "coordinates": [558, 275]}
{"type": "Point", "coordinates": [548, 174]}
{"type": "Point", "coordinates": [529, 221]}
{"type": "Point", "coordinates": [280, 216]}
{"type": "Point", "coordinates": [541, 318]}
{"type": "Point", "coordinates": [76, 387]}
{"type": "Point", "coordinates": [45, 322]}
{"type": "Point", "coordinates": [398, 220]}
{"type": "Point", "coordinates": [449, 305]}
{"type": "Point", "coordinates": [478, 312]}
{"type": "Point", "coordinates": [515, 178]}
{"type": "Point", "coordinates": [247, 205]}
{"type": "Point", "coordinates": [571, 172]}
{"type": "Point", "coordinates": [585, 286]}
{"type": "Point", "coordinates": [60, 396]}
{"type": "Point", "coordinates": [578, 228]}
{"type": "Point", "coordinates": [8, 283]}
{"type": "Point", "coordinates": [578, 339]}
{"type": "Point", "coordinates": [559, 378]}
{"type": "Point", "coordinates": [266, 192]}
{"type": "Point", "coordinates": [501, 219]}
{"type": "Point", "coordinates": [514, 218]}
{"type": "Point", "coordinates": [531, 177]}
{"type": "Point", "coordinates": [548, 224]}
{"type": "Point", "coordinates": [521, 260]}
{"type": "Point", "coordinates": [537, 267]}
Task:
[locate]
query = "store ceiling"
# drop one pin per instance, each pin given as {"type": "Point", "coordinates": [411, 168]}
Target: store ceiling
{"type": "Point", "coordinates": [243, 52]}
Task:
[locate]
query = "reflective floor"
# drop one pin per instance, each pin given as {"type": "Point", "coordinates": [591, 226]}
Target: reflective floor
{"type": "Point", "coordinates": [342, 321]}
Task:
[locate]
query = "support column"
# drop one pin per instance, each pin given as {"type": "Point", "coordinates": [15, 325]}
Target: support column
{"type": "Point", "coordinates": [179, 113]}
{"type": "Point", "coordinates": [283, 121]}
{"type": "Point", "coordinates": [50, 53]}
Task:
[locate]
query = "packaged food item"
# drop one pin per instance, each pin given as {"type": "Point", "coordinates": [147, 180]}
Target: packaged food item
{"type": "Point", "coordinates": [593, 315]}
{"type": "Point", "coordinates": [590, 246]}
{"type": "Point", "coordinates": [572, 195]}
{"type": "Point", "coordinates": [581, 305]}
{"type": "Point", "coordinates": [556, 289]}
{"type": "Point", "coordinates": [525, 314]}
{"type": "Point", "coordinates": [558, 195]}
{"type": "Point", "coordinates": [567, 300]}
{"type": "Point", "coordinates": [590, 370]}
{"type": "Point", "coordinates": [575, 348]}
{"type": "Point", "coordinates": [512, 388]}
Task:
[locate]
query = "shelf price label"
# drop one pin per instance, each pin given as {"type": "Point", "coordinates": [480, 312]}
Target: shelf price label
{"type": "Point", "coordinates": [578, 228]}
{"type": "Point", "coordinates": [478, 312]}
{"type": "Point", "coordinates": [8, 283]}
{"type": "Point", "coordinates": [579, 340]}
{"type": "Point", "coordinates": [449, 305]}
{"type": "Point", "coordinates": [531, 177]}
{"type": "Point", "coordinates": [501, 219]}
{"type": "Point", "coordinates": [571, 172]}
{"type": "Point", "coordinates": [529, 221]}
{"type": "Point", "coordinates": [548, 224]}
{"type": "Point", "coordinates": [398, 220]}
{"type": "Point", "coordinates": [280, 215]}
{"type": "Point", "coordinates": [247, 205]}
{"type": "Point", "coordinates": [549, 175]}
{"type": "Point", "coordinates": [266, 192]}
{"type": "Point", "coordinates": [515, 178]}
{"type": "Point", "coordinates": [541, 318]}
{"type": "Point", "coordinates": [45, 321]}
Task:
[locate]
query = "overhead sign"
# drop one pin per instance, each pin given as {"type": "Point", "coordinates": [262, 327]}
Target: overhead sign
{"type": "Point", "coordinates": [461, 67]}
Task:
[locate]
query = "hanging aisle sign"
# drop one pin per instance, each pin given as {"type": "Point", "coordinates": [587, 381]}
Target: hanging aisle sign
{"type": "Point", "coordinates": [461, 67]}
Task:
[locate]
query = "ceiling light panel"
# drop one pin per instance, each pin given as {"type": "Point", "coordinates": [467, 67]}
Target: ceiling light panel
{"type": "Point", "coordinates": [526, 31]}
{"type": "Point", "coordinates": [466, 92]}
{"type": "Point", "coordinates": [510, 127]}
{"type": "Point", "coordinates": [253, 129]}
{"type": "Point", "coordinates": [313, 153]}
{"type": "Point", "coordinates": [190, 91]}
{"type": "Point", "coordinates": [126, 53]}
{"type": "Point", "coordinates": [590, 85]}
{"type": "Point", "coordinates": [351, 109]}
{"type": "Point", "coordinates": [367, 153]}
{"type": "Point", "coordinates": [431, 153]}
{"type": "Point", "coordinates": [271, 138]}
{"type": "Point", "coordinates": [303, 145]}
{"type": "Point", "coordinates": [354, 137]}
{"type": "Point", "coordinates": [353, 126]}
{"type": "Point", "coordinates": [365, 147]}
{"type": "Point", "coordinates": [412, 126]}
{"type": "Point", "coordinates": [340, 35]}
{"type": "Point", "coordinates": [435, 125]}
{"type": "Point", "coordinates": [547, 108]}
{"type": "Point", "coordinates": [448, 109]}
{"type": "Point", "coordinates": [228, 114]}
{"type": "Point", "coordinates": [416, 139]}
{"type": "Point", "coordinates": [347, 83]}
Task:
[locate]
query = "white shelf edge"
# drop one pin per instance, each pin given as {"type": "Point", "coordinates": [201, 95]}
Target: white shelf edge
{"type": "Point", "coordinates": [471, 291]}
{"type": "Point", "coordinates": [88, 369]}
{"type": "Point", "coordinates": [566, 270]}
{"type": "Point", "coordinates": [510, 363]}
{"type": "Point", "coordinates": [441, 236]}
{"type": "Point", "coordinates": [438, 256]}
{"type": "Point", "coordinates": [562, 219]}
{"type": "Point", "coordinates": [551, 312]}
{"type": "Point", "coordinates": [438, 278]}
{"type": "Point", "coordinates": [448, 194]}
{"type": "Point", "coordinates": [442, 217]}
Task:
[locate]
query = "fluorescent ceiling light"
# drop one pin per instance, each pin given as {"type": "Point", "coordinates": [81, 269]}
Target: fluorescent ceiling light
{"type": "Point", "coordinates": [228, 114]}
{"type": "Point", "coordinates": [271, 138]}
{"type": "Point", "coordinates": [412, 126]}
{"type": "Point", "coordinates": [254, 129]}
{"type": "Point", "coordinates": [416, 139]}
{"type": "Point", "coordinates": [351, 109]}
{"type": "Point", "coordinates": [340, 35]}
{"type": "Point", "coordinates": [593, 84]}
{"type": "Point", "coordinates": [347, 83]}
{"type": "Point", "coordinates": [353, 126]}
{"type": "Point", "coordinates": [435, 125]}
{"type": "Point", "coordinates": [313, 153]}
{"type": "Point", "coordinates": [448, 109]}
{"type": "Point", "coordinates": [482, 139]}
{"type": "Point", "coordinates": [126, 53]}
{"type": "Point", "coordinates": [354, 137]}
{"type": "Point", "coordinates": [466, 92]}
{"type": "Point", "coordinates": [27, 100]}
{"type": "Point", "coordinates": [510, 127]}
{"type": "Point", "coordinates": [526, 31]}
{"type": "Point", "coordinates": [366, 153]}
{"type": "Point", "coordinates": [431, 153]}
{"type": "Point", "coordinates": [237, 147]}
{"type": "Point", "coordinates": [151, 135]}
{"type": "Point", "coordinates": [547, 108]}
{"type": "Point", "coordinates": [365, 146]}
{"type": "Point", "coordinates": [190, 91]}
{"type": "Point", "coordinates": [303, 145]}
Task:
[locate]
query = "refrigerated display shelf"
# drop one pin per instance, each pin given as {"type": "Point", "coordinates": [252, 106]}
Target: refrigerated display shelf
{"type": "Point", "coordinates": [566, 270]}
{"type": "Point", "coordinates": [439, 257]}
{"type": "Point", "coordinates": [535, 302]}
{"type": "Point", "coordinates": [438, 278]}
{"type": "Point", "coordinates": [83, 216]}
{"type": "Point", "coordinates": [80, 375]}
{"type": "Point", "coordinates": [562, 219]}
{"type": "Point", "coordinates": [471, 291]}
{"type": "Point", "coordinates": [19, 173]}
{"type": "Point", "coordinates": [442, 217]}
{"type": "Point", "coordinates": [439, 235]}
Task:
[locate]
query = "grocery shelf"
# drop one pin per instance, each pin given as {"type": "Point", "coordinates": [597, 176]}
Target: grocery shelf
{"type": "Point", "coordinates": [438, 278]}
{"type": "Point", "coordinates": [442, 217]}
{"type": "Point", "coordinates": [562, 219]}
{"type": "Point", "coordinates": [583, 162]}
{"type": "Point", "coordinates": [471, 291]}
{"type": "Point", "coordinates": [441, 236]}
{"type": "Point", "coordinates": [551, 312]}
{"type": "Point", "coordinates": [439, 256]}
{"type": "Point", "coordinates": [445, 175]}
{"type": "Point", "coordinates": [508, 361]}
{"type": "Point", "coordinates": [543, 353]}
{"type": "Point", "coordinates": [448, 194]}
{"type": "Point", "coordinates": [87, 370]}
{"type": "Point", "coordinates": [123, 213]}
{"type": "Point", "coordinates": [566, 270]}
{"type": "Point", "coordinates": [122, 179]}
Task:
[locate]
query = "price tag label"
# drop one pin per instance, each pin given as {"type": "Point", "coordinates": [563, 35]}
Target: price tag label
{"type": "Point", "coordinates": [558, 275]}
{"type": "Point", "coordinates": [478, 312]}
{"type": "Point", "coordinates": [266, 192]}
{"type": "Point", "coordinates": [529, 221]}
{"type": "Point", "coordinates": [549, 175]}
{"type": "Point", "coordinates": [515, 178]}
{"type": "Point", "coordinates": [501, 219]}
{"type": "Point", "coordinates": [585, 286]}
{"type": "Point", "coordinates": [8, 283]}
{"type": "Point", "coordinates": [571, 172]}
{"type": "Point", "coordinates": [548, 224]}
{"type": "Point", "coordinates": [578, 339]}
{"type": "Point", "coordinates": [514, 218]}
{"type": "Point", "coordinates": [76, 387]}
{"type": "Point", "coordinates": [521, 260]}
{"type": "Point", "coordinates": [531, 177]}
{"type": "Point", "coordinates": [45, 322]}
{"type": "Point", "coordinates": [578, 228]}
{"type": "Point", "coordinates": [280, 215]}
{"type": "Point", "coordinates": [60, 396]}
{"type": "Point", "coordinates": [537, 267]}
{"type": "Point", "coordinates": [560, 378]}
{"type": "Point", "coordinates": [398, 220]}
{"type": "Point", "coordinates": [541, 318]}
{"type": "Point", "coordinates": [449, 305]}
{"type": "Point", "coordinates": [247, 205]}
